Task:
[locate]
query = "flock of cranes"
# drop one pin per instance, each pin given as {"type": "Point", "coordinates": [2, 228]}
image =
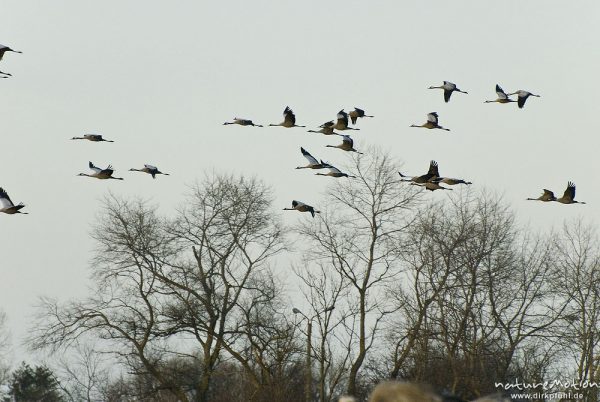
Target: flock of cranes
{"type": "Point", "coordinates": [3, 50]}
{"type": "Point", "coordinates": [327, 128]}
{"type": "Point", "coordinates": [6, 204]}
{"type": "Point", "coordinates": [431, 180]}
{"type": "Point", "coordinates": [567, 198]}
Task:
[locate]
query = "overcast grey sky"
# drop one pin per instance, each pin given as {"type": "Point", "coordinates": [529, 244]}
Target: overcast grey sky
{"type": "Point", "coordinates": [160, 78]}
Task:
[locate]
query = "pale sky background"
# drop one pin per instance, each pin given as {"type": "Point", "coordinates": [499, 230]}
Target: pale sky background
{"type": "Point", "coordinates": [160, 78]}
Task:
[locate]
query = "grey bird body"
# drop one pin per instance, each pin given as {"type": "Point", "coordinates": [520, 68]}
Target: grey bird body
{"type": "Point", "coordinates": [151, 170]}
{"type": "Point", "coordinates": [356, 114]}
{"type": "Point", "coordinates": [431, 174]}
{"type": "Point", "coordinates": [302, 207]}
{"type": "Point", "coordinates": [7, 206]}
{"type": "Point", "coordinates": [432, 122]}
{"type": "Point", "coordinates": [92, 137]}
{"type": "Point", "coordinates": [346, 145]}
{"type": "Point", "coordinates": [522, 97]}
{"type": "Point", "coordinates": [449, 88]}
{"type": "Point", "coordinates": [289, 119]}
{"type": "Point", "coordinates": [502, 96]}
{"type": "Point", "coordinates": [99, 173]}
{"type": "Point", "coordinates": [241, 122]}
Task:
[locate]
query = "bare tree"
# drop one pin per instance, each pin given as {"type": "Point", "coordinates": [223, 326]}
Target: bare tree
{"type": "Point", "coordinates": [358, 237]}
{"type": "Point", "coordinates": [271, 348]}
{"type": "Point", "coordinates": [232, 233]}
{"type": "Point", "coordinates": [579, 283]}
{"type": "Point", "coordinates": [174, 287]}
{"type": "Point", "coordinates": [4, 351]}
{"type": "Point", "coordinates": [84, 375]}
{"type": "Point", "coordinates": [476, 291]}
{"type": "Point", "coordinates": [323, 290]}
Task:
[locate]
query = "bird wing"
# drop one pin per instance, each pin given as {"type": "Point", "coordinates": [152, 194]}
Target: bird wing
{"type": "Point", "coordinates": [298, 204]}
{"type": "Point", "coordinates": [433, 169]}
{"type": "Point", "coordinates": [108, 171]}
{"type": "Point", "coordinates": [311, 159]}
{"type": "Point", "coordinates": [5, 201]}
{"type": "Point", "coordinates": [432, 117]}
{"type": "Point", "coordinates": [548, 193]}
{"type": "Point", "coordinates": [333, 169]}
{"type": "Point", "coordinates": [289, 116]}
{"type": "Point", "coordinates": [342, 117]}
{"type": "Point", "coordinates": [449, 85]}
{"type": "Point", "coordinates": [93, 137]}
{"type": "Point", "coordinates": [150, 167]}
{"type": "Point", "coordinates": [348, 140]}
{"type": "Point", "coordinates": [360, 112]}
{"type": "Point", "coordinates": [447, 94]}
{"type": "Point", "coordinates": [500, 92]}
{"type": "Point", "coordinates": [327, 124]}
{"type": "Point", "coordinates": [423, 178]}
{"type": "Point", "coordinates": [521, 101]}
{"type": "Point", "coordinates": [94, 168]}
{"type": "Point", "coordinates": [570, 191]}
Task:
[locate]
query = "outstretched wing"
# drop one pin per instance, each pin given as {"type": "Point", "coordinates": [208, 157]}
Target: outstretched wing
{"type": "Point", "coordinates": [298, 204]}
{"type": "Point", "coordinates": [333, 169]}
{"type": "Point", "coordinates": [432, 117]}
{"type": "Point", "coordinates": [348, 140]}
{"type": "Point", "coordinates": [342, 118]}
{"type": "Point", "coordinates": [289, 116]}
{"type": "Point", "coordinates": [548, 194]}
{"type": "Point", "coordinates": [570, 191]}
{"type": "Point", "coordinates": [94, 168]}
{"type": "Point", "coordinates": [433, 169]}
{"type": "Point", "coordinates": [5, 201]}
{"type": "Point", "coordinates": [311, 159]}
{"type": "Point", "coordinates": [449, 85]}
{"type": "Point", "coordinates": [500, 92]}
{"type": "Point", "coordinates": [108, 171]}
{"type": "Point", "coordinates": [447, 94]}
